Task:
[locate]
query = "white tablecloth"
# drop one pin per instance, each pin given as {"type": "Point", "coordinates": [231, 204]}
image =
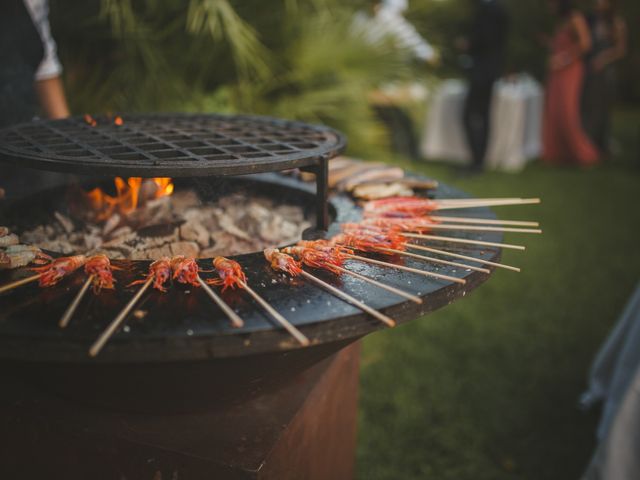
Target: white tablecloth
{"type": "Point", "coordinates": [516, 124]}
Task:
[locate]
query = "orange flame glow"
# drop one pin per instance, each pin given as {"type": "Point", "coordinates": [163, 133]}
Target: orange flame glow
{"type": "Point", "coordinates": [130, 193]}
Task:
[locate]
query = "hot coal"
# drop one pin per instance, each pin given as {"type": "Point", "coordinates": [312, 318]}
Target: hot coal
{"type": "Point", "coordinates": [180, 224]}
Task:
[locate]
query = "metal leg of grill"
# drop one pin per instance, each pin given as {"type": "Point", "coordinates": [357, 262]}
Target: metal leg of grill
{"type": "Point", "coordinates": [322, 194]}
{"type": "Point", "coordinates": [321, 171]}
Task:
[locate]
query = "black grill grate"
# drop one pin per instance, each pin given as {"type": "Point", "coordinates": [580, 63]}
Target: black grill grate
{"type": "Point", "coordinates": [176, 145]}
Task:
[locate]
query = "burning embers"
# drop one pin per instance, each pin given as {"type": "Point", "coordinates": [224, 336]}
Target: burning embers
{"type": "Point", "coordinates": [131, 192]}
{"type": "Point", "coordinates": [146, 220]}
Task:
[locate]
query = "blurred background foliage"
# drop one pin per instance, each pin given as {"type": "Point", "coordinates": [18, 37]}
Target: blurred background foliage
{"type": "Point", "coordinates": [294, 59]}
{"type": "Point", "coordinates": [291, 58]}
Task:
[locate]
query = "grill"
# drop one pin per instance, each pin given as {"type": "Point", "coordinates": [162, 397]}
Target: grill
{"type": "Point", "coordinates": [175, 145]}
{"type": "Point", "coordinates": [169, 145]}
{"type": "Point", "coordinates": [184, 355]}
{"type": "Point", "coordinates": [245, 402]}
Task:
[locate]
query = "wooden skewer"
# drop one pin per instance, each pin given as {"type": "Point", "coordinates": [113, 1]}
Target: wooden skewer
{"type": "Point", "coordinates": [475, 200]}
{"type": "Point", "coordinates": [352, 300]}
{"type": "Point", "coordinates": [495, 203]}
{"type": "Point", "coordinates": [483, 221]}
{"type": "Point", "coordinates": [462, 240]}
{"type": "Point", "coordinates": [113, 326]}
{"type": "Point", "coordinates": [295, 333]}
{"type": "Point", "coordinates": [481, 228]}
{"type": "Point", "coordinates": [434, 260]}
{"type": "Point", "coordinates": [236, 321]}
{"type": "Point", "coordinates": [406, 269]}
{"type": "Point", "coordinates": [463, 257]}
{"type": "Point", "coordinates": [18, 283]}
{"type": "Point", "coordinates": [384, 286]}
{"type": "Point", "coordinates": [66, 317]}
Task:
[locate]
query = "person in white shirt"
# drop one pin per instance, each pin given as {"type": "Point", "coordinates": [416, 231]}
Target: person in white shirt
{"type": "Point", "coordinates": [388, 23]}
{"type": "Point", "coordinates": [30, 83]}
{"type": "Point", "coordinates": [48, 83]}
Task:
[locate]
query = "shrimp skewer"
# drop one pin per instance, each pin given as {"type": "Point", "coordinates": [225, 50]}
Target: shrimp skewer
{"type": "Point", "coordinates": [482, 228]}
{"type": "Point", "coordinates": [99, 267]}
{"type": "Point", "coordinates": [486, 202]}
{"type": "Point", "coordinates": [100, 275]}
{"type": "Point", "coordinates": [368, 243]}
{"type": "Point", "coordinates": [361, 242]}
{"type": "Point", "coordinates": [424, 258]}
{"type": "Point", "coordinates": [55, 271]}
{"type": "Point", "coordinates": [15, 256]}
{"type": "Point", "coordinates": [230, 273]}
{"type": "Point", "coordinates": [426, 224]}
{"type": "Point", "coordinates": [50, 274]}
{"type": "Point", "coordinates": [412, 227]}
{"type": "Point", "coordinates": [464, 241]}
{"type": "Point", "coordinates": [463, 257]}
{"type": "Point", "coordinates": [334, 263]}
{"type": "Point", "coordinates": [159, 274]}
{"type": "Point", "coordinates": [186, 270]}
{"type": "Point", "coordinates": [232, 276]}
{"type": "Point", "coordinates": [416, 206]}
{"type": "Point", "coordinates": [483, 221]}
{"type": "Point", "coordinates": [277, 258]}
{"type": "Point", "coordinates": [348, 254]}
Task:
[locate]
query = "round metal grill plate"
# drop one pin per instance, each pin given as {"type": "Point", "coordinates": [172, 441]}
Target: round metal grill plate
{"type": "Point", "coordinates": [172, 145]}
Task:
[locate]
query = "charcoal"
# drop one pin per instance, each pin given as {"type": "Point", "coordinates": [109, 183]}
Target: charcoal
{"type": "Point", "coordinates": [179, 224]}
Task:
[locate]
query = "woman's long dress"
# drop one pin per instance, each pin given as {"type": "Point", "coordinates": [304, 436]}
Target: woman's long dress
{"type": "Point", "coordinates": [563, 138]}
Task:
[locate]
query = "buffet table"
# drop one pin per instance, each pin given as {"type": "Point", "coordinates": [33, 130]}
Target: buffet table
{"type": "Point", "coordinates": [516, 124]}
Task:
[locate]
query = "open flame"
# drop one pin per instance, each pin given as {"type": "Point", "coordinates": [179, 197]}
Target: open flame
{"type": "Point", "coordinates": [130, 194]}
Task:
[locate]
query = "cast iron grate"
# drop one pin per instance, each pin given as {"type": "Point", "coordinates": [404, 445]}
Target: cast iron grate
{"type": "Point", "coordinates": [175, 145]}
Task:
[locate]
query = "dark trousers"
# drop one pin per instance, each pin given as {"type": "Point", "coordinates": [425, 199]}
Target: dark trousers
{"type": "Point", "coordinates": [597, 99]}
{"type": "Point", "coordinates": [476, 117]}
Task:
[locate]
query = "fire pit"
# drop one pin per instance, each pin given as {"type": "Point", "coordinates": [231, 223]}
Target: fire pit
{"type": "Point", "coordinates": [200, 220]}
{"type": "Point", "coordinates": [178, 352]}
{"type": "Point", "coordinates": [178, 390]}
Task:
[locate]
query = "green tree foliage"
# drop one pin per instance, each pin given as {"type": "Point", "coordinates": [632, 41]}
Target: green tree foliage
{"type": "Point", "coordinates": [294, 59]}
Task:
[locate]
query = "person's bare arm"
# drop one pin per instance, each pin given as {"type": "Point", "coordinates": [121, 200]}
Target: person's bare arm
{"type": "Point", "coordinates": [581, 29]}
{"type": "Point", "coordinates": [617, 51]}
{"type": "Point", "coordinates": [583, 36]}
{"type": "Point", "coordinates": [52, 99]}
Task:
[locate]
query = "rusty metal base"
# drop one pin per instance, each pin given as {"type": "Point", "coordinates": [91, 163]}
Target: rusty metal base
{"type": "Point", "coordinates": [306, 429]}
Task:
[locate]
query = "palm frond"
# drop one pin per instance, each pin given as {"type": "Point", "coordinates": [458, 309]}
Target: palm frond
{"type": "Point", "coordinates": [222, 23]}
{"type": "Point", "coordinates": [120, 14]}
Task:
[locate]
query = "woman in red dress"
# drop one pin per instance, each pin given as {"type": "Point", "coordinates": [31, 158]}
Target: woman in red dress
{"type": "Point", "coordinates": [563, 138]}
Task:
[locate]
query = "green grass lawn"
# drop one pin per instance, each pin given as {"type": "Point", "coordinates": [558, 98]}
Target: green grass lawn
{"type": "Point", "coordinates": [487, 388]}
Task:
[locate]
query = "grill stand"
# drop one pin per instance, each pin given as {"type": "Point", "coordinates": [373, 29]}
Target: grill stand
{"type": "Point", "coordinates": [321, 171]}
{"type": "Point", "coordinates": [306, 429]}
